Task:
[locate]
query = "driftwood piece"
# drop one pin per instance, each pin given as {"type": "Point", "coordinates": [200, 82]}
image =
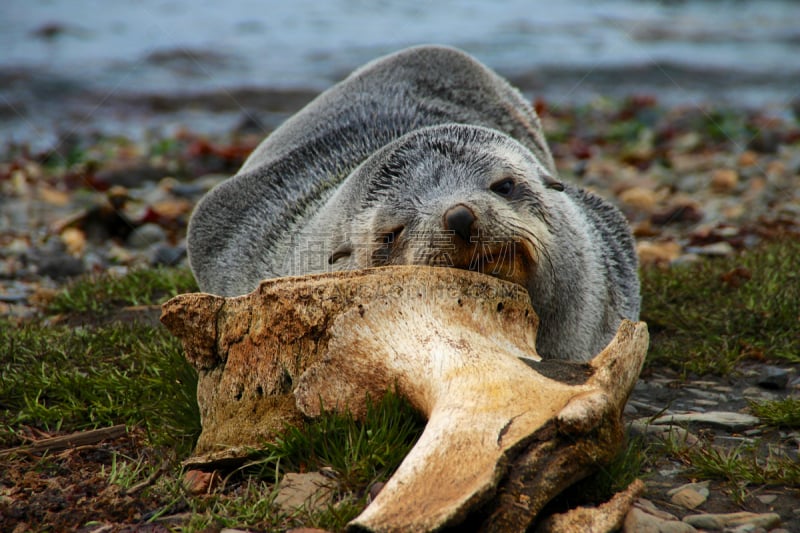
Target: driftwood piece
{"type": "Point", "coordinates": [503, 426]}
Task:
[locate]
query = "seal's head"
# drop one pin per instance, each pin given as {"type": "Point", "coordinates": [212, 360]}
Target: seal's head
{"type": "Point", "coordinates": [454, 195]}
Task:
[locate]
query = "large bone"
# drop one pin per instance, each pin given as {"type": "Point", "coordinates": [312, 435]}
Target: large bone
{"type": "Point", "coordinates": [458, 345]}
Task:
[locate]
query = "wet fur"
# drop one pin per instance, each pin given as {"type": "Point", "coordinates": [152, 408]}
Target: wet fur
{"type": "Point", "coordinates": [392, 147]}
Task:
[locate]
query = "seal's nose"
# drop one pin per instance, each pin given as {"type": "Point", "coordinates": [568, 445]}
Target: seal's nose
{"type": "Point", "coordinates": [460, 219]}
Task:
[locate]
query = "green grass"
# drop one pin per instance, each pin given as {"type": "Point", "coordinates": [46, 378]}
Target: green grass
{"type": "Point", "coordinates": [783, 413]}
{"type": "Point", "coordinates": [70, 379]}
{"type": "Point", "coordinates": [744, 465]}
{"type": "Point", "coordinates": [96, 294]}
{"type": "Point", "coordinates": [361, 452]}
{"type": "Point", "coordinates": [706, 317]}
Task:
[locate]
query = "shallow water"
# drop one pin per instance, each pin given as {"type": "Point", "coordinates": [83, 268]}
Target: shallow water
{"type": "Point", "coordinates": [77, 63]}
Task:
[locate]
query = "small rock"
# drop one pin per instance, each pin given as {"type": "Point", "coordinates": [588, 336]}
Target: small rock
{"type": "Point", "coordinates": [767, 499]}
{"type": "Point", "coordinates": [677, 214]}
{"type": "Point", "coordinates": [61, 266]}
{"type": "Point", "coordinates": [717, 522]}
{"type": "Point", "coordinates": [723, 419]}
{"type": "Point", "coordinates": [74, 241]}
{"type": "Point", "coordinates": [773, 378]}
{"type": "Point", "coordinates": [690, 496]}
{"type": "Point", "coordinates": [146, 235]}
{"type": "Point", "coordinates": [311, 490]}
{"type": "Point", "coordinates": [758, 394]}
{"type": "Point", "coordinates": [197, 481]}
{"type": "Point", "coordinates": [687, 142]}
{"type": "Point", "coordinates": [748, 158]}
{"type": "Point", "coordinates": [129, 173]}
{"type": "Point", "coordinates": [643, 427]}
{"type": "Point", "coordinates": [168, 255]}
{"type": "Point", "coordinates": [650, 508]}
{"type": "Point", "coordinates": [724, 180]}
{"type": "Point", "coordinates": [638, 521]}
{"type": "Point", "coordinates": [657, 253]}
{"type": "Point", "coordinates": [717, 249]}
{"type": "Point", "coordinates": [707, 395]}
{"type": "Point", "coordinates": [375, 489]}
{"type": "Point", "coordinates": [639, 198]}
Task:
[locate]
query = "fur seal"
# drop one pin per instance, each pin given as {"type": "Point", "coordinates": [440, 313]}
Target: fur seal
{"type": "Point", "coordinates": [424, 156]}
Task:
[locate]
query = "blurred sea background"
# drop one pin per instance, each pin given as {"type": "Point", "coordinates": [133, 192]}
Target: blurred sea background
{"type": "Point", "coordinates": [133, 67]}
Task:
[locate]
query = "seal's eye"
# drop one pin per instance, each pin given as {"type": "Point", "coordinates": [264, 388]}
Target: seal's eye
{"type": "Point", "coordinates": [504, 187]}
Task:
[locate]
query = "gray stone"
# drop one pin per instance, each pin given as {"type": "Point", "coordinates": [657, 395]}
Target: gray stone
{"type": "Point", "coordinates": [690, 496]}
{"type": "Point", "coordinates": [773, 378]}
{"type": "Point", "coordinates": [311, 490]}
{"type": "Point", "coordinates": [722, 419]}
{"type": "Point", "coordinates": [145, 236]}
{"type": "Point", "coordinates": [168, 255]}
{"type": "Point", "coordinates": [718, 249]}
{"type": "Point", "coordinates": [643, 427]}
{"type": "Point", "coordinates": [718, 522]}
{"type": "Point", "coordinates": [639, 521]}
{"type": "Point", "coordinates": [758, 394]}
{"type": "Point", "coordinates": [767, 499]}
{"type": "Point", "coordinates": [650, 508]}
{"type": "Point", "coordinates": [707, 395]}
{"type": "Point", "coordinates": [61, 266]}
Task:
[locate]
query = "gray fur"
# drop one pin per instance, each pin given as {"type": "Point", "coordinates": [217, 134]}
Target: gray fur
{"type": "Point", "coordinates": [385, 153]}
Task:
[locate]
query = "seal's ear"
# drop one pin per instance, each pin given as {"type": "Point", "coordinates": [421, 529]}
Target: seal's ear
{"type": "Point", "coordinates": [343, 250]}
{"type": "Point", "coordinates": [551, 183]}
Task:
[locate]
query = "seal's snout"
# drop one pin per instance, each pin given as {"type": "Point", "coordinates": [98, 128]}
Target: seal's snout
{"type": "Point", "coordinates": [460, 219]}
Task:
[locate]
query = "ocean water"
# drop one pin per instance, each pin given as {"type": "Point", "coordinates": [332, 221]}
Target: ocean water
{"type": "Point", "coordinates": [80, 64]}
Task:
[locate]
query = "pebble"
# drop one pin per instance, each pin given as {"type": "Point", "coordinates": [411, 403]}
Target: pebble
{"type": "Point", "coordinates": [748, 158]}
{"type": "Point", "coordinates": [690, 496]}
{"type": "Point", "coordinates": [722, 419]}
{"type": "Point", "coordinates": [773, 378]}
{"type": "Point", "coordinates": [146, 235]}
{"type": "Point", "coordinates": [718, 522]}
{"type": "Point", "coordinates": [640, 198]}
{"type": "Point", "coordinates": [74, 241]}
{"type": "Point", "coordinates": [678, 213]}
{"type": "Point", "coordinates": [60, 266]}
{"type": "Point", "coordinates": [767, 499]}
{"type": "Point", "coordinates": [643, 427]}
{"type": "Point", "coordinates": [758, 394]}
{"type": "Point", "coordinates": [198, 482]}
{"type": "Point", "coordinates": [724, 180]}
{"type": "Point", "coordinates": [717, 249]}
{"type": "Point", "coordinates": [311, 490]}
{"type": "Point", "coordinates": [164, 255]}
{"type": "Point", "coordinates": [707, 395]}
{"type": "Point", "coordinates": [657, 253]}
{"type": "Point", "coordinates": [646, 518]}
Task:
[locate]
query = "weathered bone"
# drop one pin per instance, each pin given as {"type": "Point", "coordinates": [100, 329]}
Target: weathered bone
{"type": "Point", "coordinates": [453, 342]}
